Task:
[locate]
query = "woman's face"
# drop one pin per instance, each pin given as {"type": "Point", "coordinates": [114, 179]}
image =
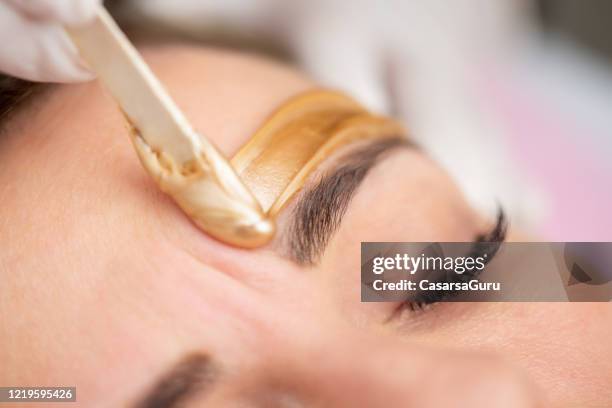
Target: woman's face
{"type": "Point", "coordinates": [107, 285]}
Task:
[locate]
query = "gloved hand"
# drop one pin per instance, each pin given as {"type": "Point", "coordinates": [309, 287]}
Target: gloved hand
{"type": "Point", "coordinates": [34, 45]}
{"type": "Point", "coordinates": [423, 61]}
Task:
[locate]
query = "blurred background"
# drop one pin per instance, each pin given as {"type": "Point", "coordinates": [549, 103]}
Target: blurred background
{"type": "Point", "coordinates": [513, 97]}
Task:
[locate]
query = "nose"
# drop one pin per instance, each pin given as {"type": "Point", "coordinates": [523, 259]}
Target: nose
{"type": "Point", "coordinates": [352, 369]}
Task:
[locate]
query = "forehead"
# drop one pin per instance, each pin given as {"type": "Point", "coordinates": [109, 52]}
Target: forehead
{"type": "Point", "coordinates": [102, 247]}
{"type": "Point", "coordinates": [76, 133]}
{"type": "Point", "coordinates": [73, 138]}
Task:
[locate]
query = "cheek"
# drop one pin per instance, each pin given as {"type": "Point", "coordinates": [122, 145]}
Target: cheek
{"type": "Point", "coordinates": [560, 344]}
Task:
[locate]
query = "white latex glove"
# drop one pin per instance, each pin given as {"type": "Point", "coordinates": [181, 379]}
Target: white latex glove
{"type": "Point", "coordinates": [424, 61]}
{"type": "Point", "coordinates": [420, 60]}
{"type": "Point", "coordinates": [34, 45]}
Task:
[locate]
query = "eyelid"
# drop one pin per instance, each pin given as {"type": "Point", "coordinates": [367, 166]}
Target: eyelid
{"type": "Point", "coordinates": [278, 159]}
{"type": "Point", "coordinates": [495, 237]}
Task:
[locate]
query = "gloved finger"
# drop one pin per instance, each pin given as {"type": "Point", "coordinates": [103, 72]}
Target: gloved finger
{"type": "Point", "coordinates": [38, 51]}
{"type": "Point", "coordinates": [467, 140]}
{"type": "Point", "coordinates": [71, 12]}
{"type": "Point", "coordinates": [344, 59]}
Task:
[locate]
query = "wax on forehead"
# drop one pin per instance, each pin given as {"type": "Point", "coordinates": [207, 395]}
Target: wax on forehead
{"type": "Point", "coordinates": [276, 162]}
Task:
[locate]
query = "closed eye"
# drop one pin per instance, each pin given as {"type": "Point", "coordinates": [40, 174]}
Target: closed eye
{"type": "Point", "coordinates": [485, 246]}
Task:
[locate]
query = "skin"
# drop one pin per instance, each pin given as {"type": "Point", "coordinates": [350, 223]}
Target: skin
{"type": "Point", "coordinates": [106, 283]}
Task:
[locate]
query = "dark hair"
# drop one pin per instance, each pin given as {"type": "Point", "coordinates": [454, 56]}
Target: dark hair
{"type": "Point", "coordinates": [14, 92]}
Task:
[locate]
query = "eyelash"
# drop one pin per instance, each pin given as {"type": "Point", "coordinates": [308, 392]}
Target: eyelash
{"type": "Point", "coordinates": [495, 237]}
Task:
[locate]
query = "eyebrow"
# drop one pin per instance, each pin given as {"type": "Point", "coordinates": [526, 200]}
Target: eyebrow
{"type": "Point", "coordinates": [320, 208]}
{"type": "Point", "coordinates": [192, 376]}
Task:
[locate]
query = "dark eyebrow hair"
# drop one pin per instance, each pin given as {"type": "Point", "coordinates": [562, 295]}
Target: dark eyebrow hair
{"type": "Point", "coordinates": [191, 376]}
{"type": "Point", "coordinates": [320, 207]}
